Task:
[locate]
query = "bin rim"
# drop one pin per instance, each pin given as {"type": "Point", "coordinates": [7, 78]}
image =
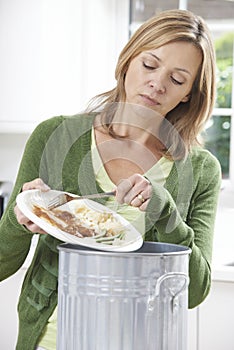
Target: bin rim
{"type": "Point", "coordinates": [164, 249]}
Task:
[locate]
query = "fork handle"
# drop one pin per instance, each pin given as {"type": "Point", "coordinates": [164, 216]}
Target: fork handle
{"type": "Point", "coordinates": [90, 196]}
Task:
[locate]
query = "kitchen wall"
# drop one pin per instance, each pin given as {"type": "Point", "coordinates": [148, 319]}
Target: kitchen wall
{"type": "Point", "coordinates": [11, 150]}
{"type": "Point", "coordinates": [55, 56]}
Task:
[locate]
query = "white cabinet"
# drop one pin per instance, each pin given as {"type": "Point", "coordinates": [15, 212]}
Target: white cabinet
{"type": "Point", "coordinates": [192, 329]}
{"type": "Point", "coordinates": [210, 325]}
{"type": "Point", "coordinates": [55, 56]}
{"type": "Point", "coordinates": [216, 318]}
{"type": "Point", "coordinates": [9, 294]}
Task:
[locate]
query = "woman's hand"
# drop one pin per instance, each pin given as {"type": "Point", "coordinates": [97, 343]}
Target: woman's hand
{"type": "Point", "coordinates": [135, 191]}
{"type": "Point", "coordinates": [21, 218]}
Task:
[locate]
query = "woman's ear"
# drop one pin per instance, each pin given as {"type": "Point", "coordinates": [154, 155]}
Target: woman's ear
{"type": "Point", "coordinates": [186, 98]}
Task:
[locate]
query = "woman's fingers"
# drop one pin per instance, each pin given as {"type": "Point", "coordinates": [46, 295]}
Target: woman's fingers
{"type": "Point", "coordinates": [21, 218]}
{"type": "Point", "coordinates": [135, 191]}
{"type": "Point", "coordinates": [35, 184]}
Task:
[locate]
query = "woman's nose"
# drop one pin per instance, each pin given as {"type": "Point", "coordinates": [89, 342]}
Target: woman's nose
{"type": "Point", "coordinates": [158, 84]}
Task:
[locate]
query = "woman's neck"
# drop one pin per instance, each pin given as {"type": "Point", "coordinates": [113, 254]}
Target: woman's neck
{"type": "Point", "coordinates": [136, 123]}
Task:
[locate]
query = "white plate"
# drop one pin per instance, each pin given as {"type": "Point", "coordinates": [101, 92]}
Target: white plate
{"type": "Point", "coordinates": [28, 199]}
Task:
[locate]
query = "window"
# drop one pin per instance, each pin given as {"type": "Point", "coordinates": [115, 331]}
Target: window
{"type": "Point", "coordinates": [218, 135]}
{"type": "Point", "coordinates": [219, 14]}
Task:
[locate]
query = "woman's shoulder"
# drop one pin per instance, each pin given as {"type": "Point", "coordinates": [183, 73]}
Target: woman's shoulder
{"type": "Point", "coordinates": [201, 153]}
{"type": "Point", "coordinates": [203, 160]}
{"type": "Point", "coordinates": [54, 122]}
{"type": "Point", "coordinates": [63, 123]}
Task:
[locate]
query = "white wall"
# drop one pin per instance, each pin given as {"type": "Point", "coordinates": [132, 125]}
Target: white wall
{"type": "Point", "coordinates": [11, 150]}
{"type": "Point", "coordinates": [57, 54]}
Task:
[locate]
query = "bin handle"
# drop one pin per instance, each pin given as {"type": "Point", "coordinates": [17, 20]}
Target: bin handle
{"type": "Point", "coordinates": [159, 281]}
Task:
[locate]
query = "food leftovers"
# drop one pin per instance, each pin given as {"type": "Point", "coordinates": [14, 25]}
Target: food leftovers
{"type": "Point", "coordinates": [83, 222]}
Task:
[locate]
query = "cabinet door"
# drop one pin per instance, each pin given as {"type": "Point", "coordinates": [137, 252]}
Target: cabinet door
{"type": "Point", "coordinates": [9, 294]}
{"type": "Point", "coordinates": [56, 55]}
{"type": "Point", "coordinates": [216, 318]}
{"type": "Point", "coordinates": [192, 329]}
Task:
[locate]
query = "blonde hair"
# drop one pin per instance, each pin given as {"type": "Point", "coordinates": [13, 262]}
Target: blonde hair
{"type": "Point", "coordinates": [187, 118]}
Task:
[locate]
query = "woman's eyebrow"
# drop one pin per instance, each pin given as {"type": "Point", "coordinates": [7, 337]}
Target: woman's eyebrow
{"type": "Point", "coordinates": [177, 68]}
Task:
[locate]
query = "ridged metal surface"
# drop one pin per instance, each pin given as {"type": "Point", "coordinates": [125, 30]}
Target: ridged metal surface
{"type": "Point", "coordinates": [109, 301]}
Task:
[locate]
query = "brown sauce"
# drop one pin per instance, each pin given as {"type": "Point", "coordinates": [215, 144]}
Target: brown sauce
{"type": "Point", "coordinates": [69, 222]}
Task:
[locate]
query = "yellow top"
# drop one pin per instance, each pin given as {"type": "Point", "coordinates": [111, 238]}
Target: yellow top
{"type": "Point", "coordinates": [157, 173]}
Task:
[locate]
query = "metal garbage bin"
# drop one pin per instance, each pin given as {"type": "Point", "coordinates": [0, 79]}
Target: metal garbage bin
{"type": "Point", "coordinates": [123, 301]}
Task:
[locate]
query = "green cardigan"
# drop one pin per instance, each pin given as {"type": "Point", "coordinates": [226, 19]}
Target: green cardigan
{"type": "Point", "coordinates": [181, 212]}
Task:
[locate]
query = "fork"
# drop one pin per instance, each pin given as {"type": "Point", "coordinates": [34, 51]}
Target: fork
{"type": "Point", "coordinates": [65, 198]}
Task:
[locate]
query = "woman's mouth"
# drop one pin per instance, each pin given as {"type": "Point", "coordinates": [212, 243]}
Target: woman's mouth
{"type": "Point", "coordinates": [149, 100]}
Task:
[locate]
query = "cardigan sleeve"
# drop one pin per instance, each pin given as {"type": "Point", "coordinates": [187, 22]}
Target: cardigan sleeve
{"type": "Point", "coordinates": [190, 222]}
{"type": "Point", "coordinates": [15, 239]}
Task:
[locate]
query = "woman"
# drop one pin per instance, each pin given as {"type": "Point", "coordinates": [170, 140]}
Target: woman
{"type": "Point", "coordinates": [141, 138]}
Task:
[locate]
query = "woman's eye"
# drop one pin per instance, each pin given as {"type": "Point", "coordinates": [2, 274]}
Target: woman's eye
{"type": "Point", "coordinates": [177, 82]}
{"type": "Point", "coordinates": [148, 66]}
{"type": "Point", "coordinates": [152, 67]}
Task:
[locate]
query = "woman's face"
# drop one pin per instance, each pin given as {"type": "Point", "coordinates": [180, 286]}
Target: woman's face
{"type": "Point", "coordinates": [160, 79]}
